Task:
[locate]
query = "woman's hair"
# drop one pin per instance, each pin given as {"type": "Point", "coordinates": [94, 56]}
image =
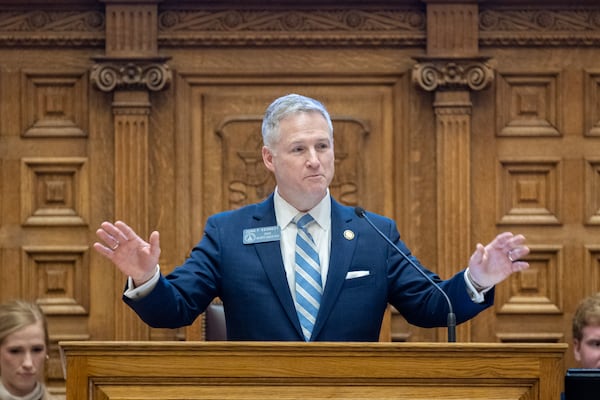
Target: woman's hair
{"type": "Point", "coordinates": [587, 314]}
{"type": "Point", "coordinates": [285, 106]}
{"type": "Point", "coordinates": [18, 314]}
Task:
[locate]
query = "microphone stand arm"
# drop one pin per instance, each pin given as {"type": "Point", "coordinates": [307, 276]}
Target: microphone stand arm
{"type": "Point", "coordinates": [451, 321]}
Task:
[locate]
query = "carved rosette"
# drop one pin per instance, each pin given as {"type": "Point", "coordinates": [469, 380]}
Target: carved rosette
{"type": "Point", "coordinates": [153, 75]}
{"type": "Point", "coordinates": [452, 74]}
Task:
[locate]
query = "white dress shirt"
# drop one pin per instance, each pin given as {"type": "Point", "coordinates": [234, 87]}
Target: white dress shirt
{"type": "Point", "coordinates": [320, 231]}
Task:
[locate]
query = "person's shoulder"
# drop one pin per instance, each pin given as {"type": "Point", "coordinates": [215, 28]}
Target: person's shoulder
{"type": "Point", "coordinates": [355, 211]}
{"type": "Point", "coordinates": [245, 211]}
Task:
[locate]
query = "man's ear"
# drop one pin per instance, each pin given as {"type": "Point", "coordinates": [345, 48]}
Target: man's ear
{"type": "Point", "coordinates": [577, 349]}
{"type": "Point", "coordinates": [267, 156]}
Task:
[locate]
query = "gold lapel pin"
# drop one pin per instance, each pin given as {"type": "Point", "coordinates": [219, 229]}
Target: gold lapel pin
{"type": "Point", "coordinates": [348, 234]}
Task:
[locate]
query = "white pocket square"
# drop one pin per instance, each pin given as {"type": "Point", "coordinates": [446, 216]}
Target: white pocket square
{"type": "Point", "coordinates": [356, 274]}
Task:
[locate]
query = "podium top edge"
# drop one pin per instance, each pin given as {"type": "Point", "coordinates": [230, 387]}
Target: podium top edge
{"type": "Point", "coordinates": [318, 346]}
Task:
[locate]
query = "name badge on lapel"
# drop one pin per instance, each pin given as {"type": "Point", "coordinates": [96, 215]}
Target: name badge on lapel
{"type": "Point", "coordinates": [261, 235]}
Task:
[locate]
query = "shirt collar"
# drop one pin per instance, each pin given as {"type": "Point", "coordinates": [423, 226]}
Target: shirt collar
{"type": "Point", "coordinates": [285, 212]}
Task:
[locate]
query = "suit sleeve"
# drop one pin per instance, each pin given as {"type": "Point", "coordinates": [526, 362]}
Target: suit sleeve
{"type": "Point", "coordinates": [181, 296]}
{"type": "Point", "coordinates": [419, 302]}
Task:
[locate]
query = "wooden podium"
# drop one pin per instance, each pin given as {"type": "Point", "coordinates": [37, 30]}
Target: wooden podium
{"type": "Point", "coordinates": [283, 370]}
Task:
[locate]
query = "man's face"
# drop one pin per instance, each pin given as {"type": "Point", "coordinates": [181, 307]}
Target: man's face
{"type": "Point", "coordinates": [302, 159]}
{"type": "Point", "coordinates": [587, 350]}
{"type": "Point", "coordinates": [22, 358]}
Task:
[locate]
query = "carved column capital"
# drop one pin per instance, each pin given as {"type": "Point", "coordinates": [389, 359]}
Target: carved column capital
{"type": "Point", "coordinates": [151, 74]}
{"type": "Point", "coordinates": [474, 73]}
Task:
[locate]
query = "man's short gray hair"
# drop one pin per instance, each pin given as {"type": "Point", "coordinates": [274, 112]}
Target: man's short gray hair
{"type": "Point", "coordinates": [285, 106]}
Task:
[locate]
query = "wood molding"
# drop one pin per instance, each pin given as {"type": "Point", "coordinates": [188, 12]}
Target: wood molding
{"type": "Point", "coordinates": [265, 370]}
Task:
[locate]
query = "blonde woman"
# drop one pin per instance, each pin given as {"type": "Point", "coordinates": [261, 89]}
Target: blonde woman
{"type": "Point", "coordinates": [23, 351]}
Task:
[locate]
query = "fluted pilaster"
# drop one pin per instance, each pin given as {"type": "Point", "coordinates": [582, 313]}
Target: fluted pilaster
{"type": "Point", "coordinates": [131, 69]}
{"type": "Point", "coordinates": [452, 69]}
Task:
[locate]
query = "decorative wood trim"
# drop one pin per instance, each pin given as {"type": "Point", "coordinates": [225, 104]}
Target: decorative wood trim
{"type": "Point", "coordinates": [68, 28]}
{"type": "Point", "coordinates": [131, 28]}
{"type": "Point", "coordinates": [131, 124]}
{"type": "Point", "coordinates": [54, 191]}
{"type": "Point", "coordinates": [452, 28]}
{"type": "Point", "coordinates": [131, 74]}
{"type": "Point", "coordinates": [294, 25]}
{"type": "Point", "coordinates": [456, 73]}
{"type": "Point", "coordinates": [339, 25]}
{"type": "Point", "coordinates": [267, 370]}
{"type": "Point", "coordinates": [537, 290]}
{"type": "Point", "coordinates": [529, 191]}
{"type": "Point", "coordinates": [547, 26]}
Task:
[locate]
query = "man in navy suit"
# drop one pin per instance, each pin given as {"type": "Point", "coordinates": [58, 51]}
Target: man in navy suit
{"type": "Point", "coordinates": [247, 256]}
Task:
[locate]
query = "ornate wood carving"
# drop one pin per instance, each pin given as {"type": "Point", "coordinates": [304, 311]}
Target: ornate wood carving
{"type": "Point", "coordinates": [51, 27]}
{"type": "Point", "coordinates": [431, 73]}
{"type": "Point", "coordinates": [396, 25]}
{"type": "Point", "coordinates": [136, 74]}
{"type": "Point", "coordinates": [246, 179]}
{"type": "Point", "coordinates": [547, 26]}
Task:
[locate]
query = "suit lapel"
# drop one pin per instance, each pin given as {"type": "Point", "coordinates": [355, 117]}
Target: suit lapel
{"type": "Point", "coordinates": [343, 244]}
{"type": "Point", "coordinates": [272, 262]}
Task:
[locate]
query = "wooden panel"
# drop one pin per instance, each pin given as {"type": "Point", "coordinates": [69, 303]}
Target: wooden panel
{"type": "Point", "coordinates": [532, 163]}
{"type": "Point", "coordinates": [529, 191]}
{"type": "Point", "coordinates": [528, 104]}
{"type": "Point", "coordinates": [253, 370]}
{"type": "Point", "coordinates": [545, 174]}
{"type": "Point", "coordinates": [56, 278]}
{"type": "Point", "coordinates": [538, 289]}
{"type": "Point", "coordinates": [227, 142]}
{"type": "Point", "coordinates": [54, 191]}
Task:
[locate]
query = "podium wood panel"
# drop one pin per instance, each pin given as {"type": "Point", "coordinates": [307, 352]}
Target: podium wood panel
{"type": "Point", "coordinates": [267, 370]}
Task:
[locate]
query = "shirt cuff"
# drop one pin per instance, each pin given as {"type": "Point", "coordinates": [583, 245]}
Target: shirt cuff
{"type": "Point", "coordinates": [141, 291]}
{"type": "Point", "coordinates": [477, 296]}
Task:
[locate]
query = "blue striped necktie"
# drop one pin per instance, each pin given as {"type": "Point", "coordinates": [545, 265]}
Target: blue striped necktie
{"type": "Point", "coordinates": [308, 276]}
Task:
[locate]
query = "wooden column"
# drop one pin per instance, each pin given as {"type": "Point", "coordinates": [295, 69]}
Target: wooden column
{"type": "Point", "coordinates": [131, 69]}
{"type": "Point", "coordinates": [452, 69]}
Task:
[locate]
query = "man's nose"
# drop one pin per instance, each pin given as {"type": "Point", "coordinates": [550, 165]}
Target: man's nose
{"type": "Point", "coordinates": [312, 156]}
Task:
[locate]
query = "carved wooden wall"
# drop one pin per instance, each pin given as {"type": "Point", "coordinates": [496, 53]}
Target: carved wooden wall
{"type": "Point", "coordinates": [459, 120]}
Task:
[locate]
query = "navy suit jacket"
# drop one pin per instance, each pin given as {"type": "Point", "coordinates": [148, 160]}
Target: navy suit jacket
{"type": "Point", "coordinates": [250, 280]}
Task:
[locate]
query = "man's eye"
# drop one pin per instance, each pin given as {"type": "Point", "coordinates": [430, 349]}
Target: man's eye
{"type": "Point", "coordinates": [38, 349]}
{"type": "Point", "coordinates": [15, 351]}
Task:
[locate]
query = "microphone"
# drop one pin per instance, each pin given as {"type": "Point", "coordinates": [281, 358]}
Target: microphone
{"type": "Point", "coordinates": [451, 321]}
